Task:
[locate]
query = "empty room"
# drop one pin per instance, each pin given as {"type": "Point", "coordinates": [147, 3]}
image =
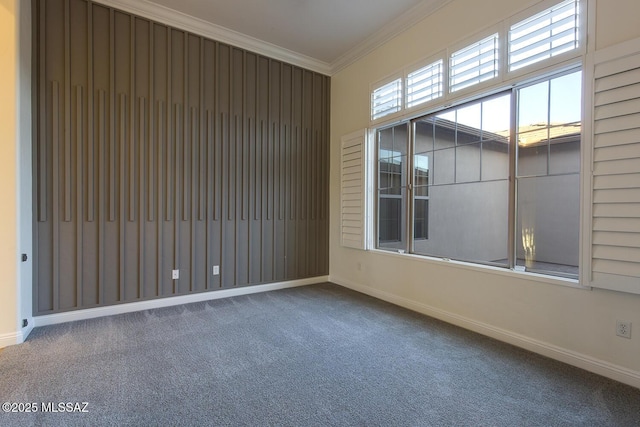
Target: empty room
{"type": "Point", "coordinates": [287, 212]}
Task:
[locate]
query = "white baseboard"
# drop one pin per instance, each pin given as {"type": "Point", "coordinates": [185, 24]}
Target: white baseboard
{"type": "Point", "coordinates": [90, 313]}
{"type": "Point", "coordinates": [588, 363]}
{"type": "Point", "coordinates": [15, 337]}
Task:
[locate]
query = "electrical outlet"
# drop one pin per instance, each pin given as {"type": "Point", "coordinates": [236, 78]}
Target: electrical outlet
{"type": "Point", "coordinates": [216, 270]}
{"type": "Point", "coordinates": [175, 274]}
{"type": "Point", "coordinates": [623, 329]}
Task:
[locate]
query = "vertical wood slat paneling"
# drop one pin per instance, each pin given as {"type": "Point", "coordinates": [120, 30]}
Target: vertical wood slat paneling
{"type": "Point", "coordinates": [132, 119]}
{"type": "Point", "coordinates": [216, 141]}
{"type": "Point", "coordinates": [67, 113]}
{"type": "Point", "coordinates": [160, 120]}
{"type": "Point", "coordinates": [214, 133]}
{"type": "Point", "coordinates": [151, 181]}
{"type": "Point", "coordinates": [209, 193]}
{"type": "Point", "coordinates": [42, 125]}
{"type": "Point", "coordinates": [142, 136]}
{"type": "Point", "coordinates": [178, 142]}
{"type": "Point", "coordinates": [55, 145]}
{"type": "Point", "coordinates": [79, 193]}
{"type": "Point", "coordinates": [112, 120]}
{"type": "Point", "coordinates": [121, 223]}
{"type": "Point", "coordinates": [102, 218]}
{"type": "Point", "coordinates": [168, 204]}
{"type": "Point", "coordinates": [91, 202]}
{"type": "Point", "coordinates": [186, 129]}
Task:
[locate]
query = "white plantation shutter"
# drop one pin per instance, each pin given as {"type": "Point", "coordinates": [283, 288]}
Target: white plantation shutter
{"type": "Point", "coordinates": [424, 84]}
{"type": "Point", "coordinates": [474, 64]}
{"type": "Point", "coordinates": [615, 245]}
{"type": "Point", "coordinates": [544, 35]}
{"type": "Point", "coordinates": [352, 190]}
{"type": "Point", "coordinates": [386, 99]}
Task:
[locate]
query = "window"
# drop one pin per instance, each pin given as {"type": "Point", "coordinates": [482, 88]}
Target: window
{"type": "Point", "coordinates": [474, 64]}
{"type": "Point", "coordinates": [424, 84]}
{"type": "Point", "coordinates": [444, 190]}
{"type": "Point", "coordinates": [386, 99]}
{"type": "Point", "coordinates": [542, 36]}
{"type": "Point", "coordinates": [548, 175]}
{"type": "Point", "coordinates": [545, 37]}
{"type": "Point", "coordinates": [392, 183]}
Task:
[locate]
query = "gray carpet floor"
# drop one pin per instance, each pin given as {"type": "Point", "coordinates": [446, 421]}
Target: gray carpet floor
{"type": "Point", "coordinates": [311, 356]}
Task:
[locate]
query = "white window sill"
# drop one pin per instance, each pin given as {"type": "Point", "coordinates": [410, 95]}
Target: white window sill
{"type": "Point", "coordinates": [521, 275]}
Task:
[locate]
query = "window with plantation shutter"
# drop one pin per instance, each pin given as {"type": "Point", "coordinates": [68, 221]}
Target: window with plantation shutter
{"type": "Point", "coordinates": [544, 35]}
{"type": "Point", "coordinates": [386, 99]}
{"type": "Point", "coordinates": [474, 64]}
{"type": "Point", "coordinates": [424, 84]}
{"type": "Point", "coordinates": [615, 243]}
{"type": "Point", "coordinates": [352, 190]}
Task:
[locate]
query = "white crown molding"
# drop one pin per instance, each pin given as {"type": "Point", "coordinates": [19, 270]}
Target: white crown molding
{"type": "Point", "coordinates": [388, 32]}
{"type": "Point", "coordinates": [174, 18]}
{"type": "Point", "coordinates": [180, 20]}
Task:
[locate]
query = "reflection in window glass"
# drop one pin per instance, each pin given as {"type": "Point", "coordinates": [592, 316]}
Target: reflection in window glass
{"type": "Point", "coordinates": [533, 109]}
{"type": "Point", "coordinates": [420, 197]}
{"type": "Point", "coordinates": [392, 181]}
{"type": "Point", "coordinates": [466, 217]}
{"type": "Point", "coordinates": [548, 176]}
{"type": "Point", "coordinates": [453, 176]}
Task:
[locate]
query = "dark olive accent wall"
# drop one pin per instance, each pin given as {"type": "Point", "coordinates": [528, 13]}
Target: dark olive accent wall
{"type": "Point", "coordinates": [156, 149]}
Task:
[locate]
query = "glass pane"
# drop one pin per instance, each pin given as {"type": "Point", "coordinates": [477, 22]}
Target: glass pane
{"type": "Point", "coordinates": [444, 166]}
{"type": "Point", "coordinates": [495, 160]}
{"type": "Point", "coordinates": [565, 156]}
{"type": "Point", "coordinates": [548, 224]}
{"type": "Point", "coordinates": [469, 124]}
{"type": "Point", "coordinates": [421, 170]}
{"type": "Point", "coordinates": [468, 163]}
{"type": "Point", "coordinates": [420, 218]}
{"type": "Point", "coordinates": [533, 153]}
{"type": "Point", "coordinates": [392, 142]}
{"type": "Point", "coordinates": [457, 216]}
{"type": "Point", "coordinates": [533, 107]}
{"type": "Point", "coordinates": [424, 136]}
{"type": "Point", "coordinates": [390, 179]}
{"type": "Point", "coordinates": [496, 118]}
{"type": "Point", "coordinates": [564, 135]}
{"type": "Point", "coordinates": [390, 218]}
{"type": "Point", "coordinates": [385, 143]}
{"type": "Point", "coordinates": [467, 222]}
{"type": "Point", "coordinates": [400, 139]}
{"type": "Point", "coordinates": [566, 100]}
{"type": "Point", "coordinates": [445, 130]}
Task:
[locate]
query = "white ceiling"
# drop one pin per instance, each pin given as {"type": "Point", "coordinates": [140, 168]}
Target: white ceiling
{"type": "Point", "coordinates": [330, 33]}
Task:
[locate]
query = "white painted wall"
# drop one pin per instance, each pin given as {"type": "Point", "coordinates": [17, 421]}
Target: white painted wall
{"type": "Point", "coordinates": [568, 323]}
{"type": "Point", "coordinates": [15, 169]}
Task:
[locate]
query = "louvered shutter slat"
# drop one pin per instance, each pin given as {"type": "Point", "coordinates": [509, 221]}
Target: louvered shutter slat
{"type": "Point", "coordinates": [352, 190]}
{"type": "Point", "coordinates": [615, 242]}
{"type": "Point", "coordinates": [550, 33]}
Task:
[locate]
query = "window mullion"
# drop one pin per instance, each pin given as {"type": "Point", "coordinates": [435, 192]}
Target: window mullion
{"type": "Point", "coordinates": [410, 187]}
{"type": "Point", "coordinates": [513, 189]}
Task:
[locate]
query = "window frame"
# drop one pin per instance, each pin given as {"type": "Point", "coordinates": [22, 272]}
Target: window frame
{"type": "Point", "coordinates": [504, 77]}
{"type": "Point", "coordinates": [409, 238]}
{"type": "Point", "coordinates": [440, 58]}
{"type": "Point", "coordinates": [379, 85]}
{"type": "Point", "coordinates": [553, 61]}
